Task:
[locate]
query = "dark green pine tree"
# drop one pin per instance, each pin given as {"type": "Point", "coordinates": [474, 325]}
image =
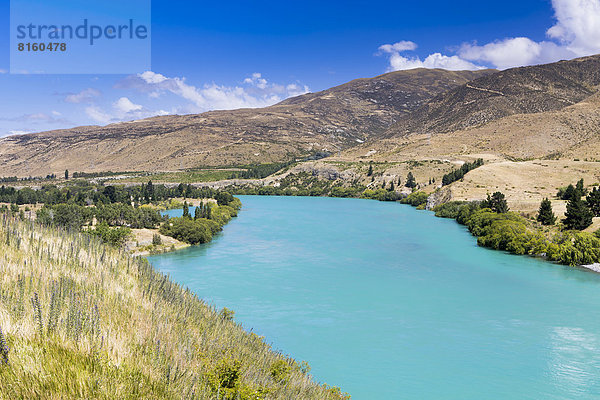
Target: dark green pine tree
{"type": "Point", "coordinates": [410, 181]}
{"type": "Point", "coordinates": [578, 215]}
{"type": "Point", "coordinates": [593, 201]}
{"type": "Point", "coordinates": [580, 188]}
{"type": "Point", "coordinates": [391, 186]}
{"type": "Point", "coordinates": [197, 213]}
{"type": "Point", "coordinates": [66, 174]}
{"type": "Point", "coordinates": [496, 202]}
{"type": "Point", "coordinates": [149, 191]}
{"type": "Point", "coordinates": [545, 215]}
{"type": "Point", "coordinates": [569, 193]}
{"type": "Point", "coordinates": [186, 210]}
{"type": "Point", "coordinates": [370, 172]}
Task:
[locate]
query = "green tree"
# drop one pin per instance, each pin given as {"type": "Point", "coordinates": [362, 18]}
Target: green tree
{"type": "Point", "coordinates": [111, 193]}
{"type": "Point", "coordinates": [593, 201]}
{"type": "Point", "coordinates": [149, 194]}
{"type": "Point", "coordinates": [186, 210]}
{"type": "Point", "coordinates": [580, 188]}
{"type": "Point", "coordinates": [545, 215]}
{"type": "Point", "coordinates": [66, 174]}
{"type": "Point", "coordinates": [197, 213]}
{"type": "Point", "coordinates": [370, 172]}
{"type": "Point", "coordinates": [569, 193]}
{"type": "Point", "coordinates": [410, 181]}
{"type": "Point", "coordinates": [496, 202]}
{"type": "Point", "coordinates": [392, 186]}
{"type": "Point", "coordinates": [223, 198]}
{"type": "Point", "coordinates": [578, 215]}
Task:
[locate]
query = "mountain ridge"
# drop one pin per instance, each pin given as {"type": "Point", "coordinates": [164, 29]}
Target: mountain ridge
{"type": "Point", "coordinates": [329, 120]}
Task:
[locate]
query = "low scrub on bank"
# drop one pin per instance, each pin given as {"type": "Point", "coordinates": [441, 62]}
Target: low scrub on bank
{"type": "Point", "coordinates": [79, 319]}
{"type": "Point", "coordinates": [514, 233]}
{"type": "Point", "coordinates": [203, 226]}
{"type": "Point", "coordinates": [416, 199]}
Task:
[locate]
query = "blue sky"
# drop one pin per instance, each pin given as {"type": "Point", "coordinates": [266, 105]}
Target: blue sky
{"type": "Point", "coordinates": [220, 55]}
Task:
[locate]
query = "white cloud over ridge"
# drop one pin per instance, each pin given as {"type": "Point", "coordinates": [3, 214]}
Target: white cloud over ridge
{"type": "Point", "coordinates": [576, 33]}
{"type": "Point", "coordinates": [85, 96]}
{"type": "Point", "coordinates": [125, 105]}
{"type": "Point", "coordinates": [256, 92]}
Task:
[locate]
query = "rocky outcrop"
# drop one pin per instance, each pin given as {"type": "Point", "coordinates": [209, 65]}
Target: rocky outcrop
{"type": "Point", "coordinates": [440, 196]}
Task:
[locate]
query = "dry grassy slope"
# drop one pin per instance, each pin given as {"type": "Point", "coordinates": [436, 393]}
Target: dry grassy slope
{"type": "Point", "coordinates": [107, 326]}
{"type": "Point", "coordinates": [526, 90]}
{"type": "Point", "coordinates": [573, 132]}
{"type": "Point", "coordinates": [329, 120]}
{"type": "Point", "coordinates": [525, 183]}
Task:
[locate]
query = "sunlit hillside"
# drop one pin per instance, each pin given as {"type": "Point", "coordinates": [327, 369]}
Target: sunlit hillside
{"type": "Point", "coordinates": [80, 319]}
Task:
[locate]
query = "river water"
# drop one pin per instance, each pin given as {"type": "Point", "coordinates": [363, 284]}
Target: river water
{"type": "Point", "coordinates": [388, 302]}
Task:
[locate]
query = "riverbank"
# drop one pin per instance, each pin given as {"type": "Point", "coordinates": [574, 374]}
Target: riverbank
{"type": "Point", "coordinates": [81, 319]}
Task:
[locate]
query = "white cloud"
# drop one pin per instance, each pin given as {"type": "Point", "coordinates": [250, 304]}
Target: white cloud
{"type": "Point", "coordinates": [125, 105]}
{"type": "Point", "coordinates": [85, 96]}
{"type": "Point", "coordinates": [436, 60]}
{"type": "Point", "coordinates": [123, 110]}
{"type": "Point", "coordinates": [577, 26]}
{"type": "Point", "coordinates": [18, 132]}
{"type": "Point", "coordinates": [98, 115]}
{"type": "Point", "coordinates": [576, 33]}
{"type": "Point", "coordinates": [403, 45]}
{"type": "Point", "coordinates": [258, 92]}
{"type": "Point", "coordinates": [257, 80]}
{"type": "Point", "coordinates": [3, 71]}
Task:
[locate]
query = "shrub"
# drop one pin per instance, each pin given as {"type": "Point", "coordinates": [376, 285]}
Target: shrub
{"type": "Point", "coordinates": [280, 371]}
{"type": "Point", "coordinates": [227, 373]}
{"type": "Point", "coordinates": [226, 314]}
{"type": "Point", "coordinates": [187, 230]}
{"type": "Point", "coordinates": [449, 210]}
{"type": "Point", "coordinates": [415, 199]}
{"type": "Point", "coordinates": [114, 236]}
{"type": "Point", "coordinates": [380, 194]}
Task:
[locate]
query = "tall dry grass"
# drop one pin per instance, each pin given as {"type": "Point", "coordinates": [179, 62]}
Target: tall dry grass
{"type": "Point", "coordinates": [79, 319]}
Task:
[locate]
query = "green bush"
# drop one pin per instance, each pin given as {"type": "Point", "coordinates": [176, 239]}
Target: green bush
{"type": "Point", "coordinates": [415, 199]}
{"type": "Point", "coordinates": [114, 236]}
{"type": "Point", "coordinates": [515, 234]}
{"type": "Point", "coordinates": [280, 371]}
{"type": "Point", "coordinates": [380, 194]}
{"type": "Point", "coordinates": [449, 210]}
{"type": "Point", "coordinates": [187, 230]}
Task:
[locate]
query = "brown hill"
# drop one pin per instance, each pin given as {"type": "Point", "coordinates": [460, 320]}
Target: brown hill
{"type": "Point", "coordinates": [329, 120]}
{"type": "Point", "coordinates": [526, 90]}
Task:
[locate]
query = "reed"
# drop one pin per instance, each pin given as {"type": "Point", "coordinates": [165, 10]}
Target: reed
{"type": "Point", "coordinates": [101, 324]}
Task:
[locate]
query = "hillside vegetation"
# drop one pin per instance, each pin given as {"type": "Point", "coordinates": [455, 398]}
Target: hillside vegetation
{"type": "Point", "coordinates": [325, 121]}
{"type": "Point", "coordinates": [80, 319]}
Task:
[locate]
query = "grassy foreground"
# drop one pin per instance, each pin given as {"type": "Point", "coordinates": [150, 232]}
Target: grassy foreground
{"type": "Point", "coordinates": [80, 319]}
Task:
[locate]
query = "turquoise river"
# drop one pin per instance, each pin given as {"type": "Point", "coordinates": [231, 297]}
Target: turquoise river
{"type": "Point", "coordinates": [392, 303]}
